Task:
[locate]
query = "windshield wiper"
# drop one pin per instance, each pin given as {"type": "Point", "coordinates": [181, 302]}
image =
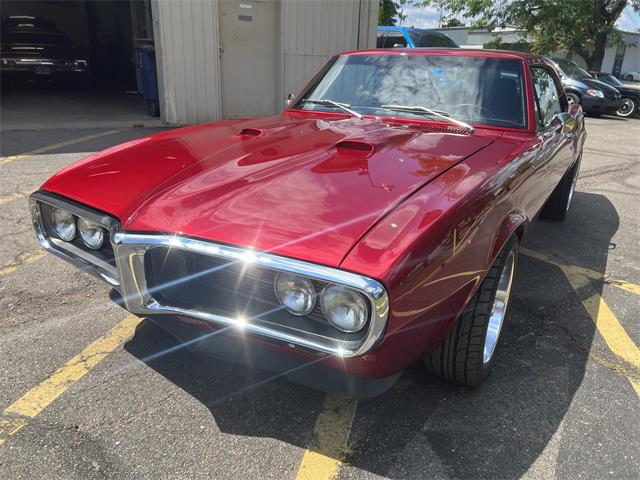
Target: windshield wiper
{"type": "Point", "coordinates": [435, 113]}
{"type": "Point", "coordinates": [324, 101]}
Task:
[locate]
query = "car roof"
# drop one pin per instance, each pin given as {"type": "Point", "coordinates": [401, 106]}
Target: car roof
{"type": "Point", "coordinates": [460, 52]}
{"type": "Point", "coordinates": [404, 29]}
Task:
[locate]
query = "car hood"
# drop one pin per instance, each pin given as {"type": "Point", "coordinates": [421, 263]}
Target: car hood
{"type": "Point", "coordinates": [592, 83]}
{"type": "Point", "coordinates": [297, 185]}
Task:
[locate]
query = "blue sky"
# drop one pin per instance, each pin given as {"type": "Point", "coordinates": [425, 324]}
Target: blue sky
{"type": "Point", "coordinates": [428, 17]}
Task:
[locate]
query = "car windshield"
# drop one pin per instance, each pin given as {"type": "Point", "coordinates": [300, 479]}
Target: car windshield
{"type": "Point", "coordinates": [471, 89]}
{"type": "Point", "coordinates": [610, 79]}
{"type": "Point", "coordinates": [422, 38]}
{"type": "Point", "coordinates": [571, 70]}
{"type": "Point", "coordinates": [35, 38]}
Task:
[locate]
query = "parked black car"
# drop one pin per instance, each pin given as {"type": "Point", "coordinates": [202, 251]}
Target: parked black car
{"type": "Point", "coordinates": [630, 93]}
{"type": "Point", "coordinates": [34, 47]}
{"type": "Point", "coordinates": [596, 97]}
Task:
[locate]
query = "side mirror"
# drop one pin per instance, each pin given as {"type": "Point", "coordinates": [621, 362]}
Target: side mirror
{"type": "Point", "coordinates": [565, 121]}
{"type": "Point", "coordinates": [289, 101]}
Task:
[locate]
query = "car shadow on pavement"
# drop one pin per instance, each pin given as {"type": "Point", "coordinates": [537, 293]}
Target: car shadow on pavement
{"type": "Point", "coordinates": [425, 426]}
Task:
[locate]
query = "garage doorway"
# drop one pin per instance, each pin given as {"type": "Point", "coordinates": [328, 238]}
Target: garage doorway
{"type": "Point", "coordinates": [101, 36]}
{"type": "Point", "coordinates": [248, 49]}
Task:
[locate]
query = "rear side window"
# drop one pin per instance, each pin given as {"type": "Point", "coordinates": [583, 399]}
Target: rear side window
{"type": "Point", "coordinates": [547, 96]}
{"type": "Point", "coordinates": [431, 39]}
{"type": "Point", "coordinates": [395, 39]}
{"type": "Point", "coordinates": [380, 40]}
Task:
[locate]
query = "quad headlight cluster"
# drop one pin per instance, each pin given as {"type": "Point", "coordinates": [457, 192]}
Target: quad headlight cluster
{"type": "Point", "coordinates": [345, 308]}
{"type": "Point", "coordinates": [68, 226]}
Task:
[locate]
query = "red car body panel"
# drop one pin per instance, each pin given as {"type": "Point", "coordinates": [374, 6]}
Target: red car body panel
{"type": "Point", "coordinates": [184, 182]}
{"type": "Point", "coordinates": [417, 205]}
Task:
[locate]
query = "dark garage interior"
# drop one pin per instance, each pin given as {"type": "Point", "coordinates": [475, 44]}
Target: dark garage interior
{"type": "Point", "coordinates": [105, 34]}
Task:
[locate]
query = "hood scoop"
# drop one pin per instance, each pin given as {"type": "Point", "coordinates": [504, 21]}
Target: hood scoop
{"type": "Point", "coordinates": [251, 133]}
{"type": "Point", "coordinates": [354, 148]}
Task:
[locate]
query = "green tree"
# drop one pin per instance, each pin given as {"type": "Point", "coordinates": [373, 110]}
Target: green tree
{"type": "Point", "coordinates": [388, 13]}
{"type": "Point", "coordinates": [452, 22]}
{"type": "Point", "coordinates": [580, 26]}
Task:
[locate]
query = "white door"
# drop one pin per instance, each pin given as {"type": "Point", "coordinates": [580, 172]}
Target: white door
{"type": "Point", "coordinates": [249, 57]}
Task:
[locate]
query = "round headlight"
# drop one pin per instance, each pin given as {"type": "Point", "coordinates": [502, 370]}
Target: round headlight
{"type": "Point", "coordinates": [65, 224]}
{"type": "Point", "coordinates": [345, 308]}
{"type": "Point", "coordinates": [91, 233]}
{"type": "Point", "coordinates": [296, 294]}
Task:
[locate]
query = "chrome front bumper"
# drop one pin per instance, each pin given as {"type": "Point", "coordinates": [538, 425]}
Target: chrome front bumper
{"type": "Point", "coordinates": [129, 277]}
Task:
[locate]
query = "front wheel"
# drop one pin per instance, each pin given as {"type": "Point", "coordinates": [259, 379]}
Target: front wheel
{"type": "Point", "coordinates": [629, 77]}
{"type": "Point", "coordinates": [466, 355]}
{"type": "Point", "coordinates": [559, 203]}
{"type": "Point", "coordinates": [627, 107]}
{"type": "Point", "coordinates": [573, 99]}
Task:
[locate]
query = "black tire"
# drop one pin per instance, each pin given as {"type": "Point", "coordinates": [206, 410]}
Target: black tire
{"type": "Point", "coordinates": [460, 356]}
{"type": "Point", "coordinates": [573, 98]}
{"type": "Point", "coordinates": [629, 77]}
{"type": "Point", "coordinates": [627, 108]}
{"type": "Point", "coordinates": [559, 203]}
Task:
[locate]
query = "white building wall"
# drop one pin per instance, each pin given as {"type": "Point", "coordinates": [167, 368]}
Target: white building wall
{"type": "Point", "coordinates": [313, 31]}
{"type": "Point", "coordinates": [608, 60]}
{"type": "Point", "coordinates": [457, 34]}
{"type": "Point", "coordinates": [187, 41]}
{"type": "Point", "coordinates": [631, 61]}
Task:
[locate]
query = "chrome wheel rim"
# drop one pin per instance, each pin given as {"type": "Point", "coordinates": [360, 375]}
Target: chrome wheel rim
{"type": "Point", "coordinates": [626, 108]}
{"type": "Point", "coordinates": [498, 309]}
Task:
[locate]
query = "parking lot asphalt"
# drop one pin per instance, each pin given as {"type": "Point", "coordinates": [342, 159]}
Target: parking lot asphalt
{"type": "Point", "coordinates": [89, 392]}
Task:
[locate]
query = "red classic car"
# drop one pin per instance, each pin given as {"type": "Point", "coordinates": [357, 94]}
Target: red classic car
{"type": "Point", "coordinates": [374, 222]}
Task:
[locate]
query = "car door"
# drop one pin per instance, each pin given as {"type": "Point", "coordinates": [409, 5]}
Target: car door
{"type": "Point", "coordinates": [557, 146]}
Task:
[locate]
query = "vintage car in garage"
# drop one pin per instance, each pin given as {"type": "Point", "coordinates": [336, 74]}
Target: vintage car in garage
{"type": "Point", "coordinates": [375, 222]}
{"type": "Point", "coordinates": [33, 47]}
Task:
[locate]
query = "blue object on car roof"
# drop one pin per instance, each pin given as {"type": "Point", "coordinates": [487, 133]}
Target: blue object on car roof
{"type": "Point", "coordinates": [409, 37]}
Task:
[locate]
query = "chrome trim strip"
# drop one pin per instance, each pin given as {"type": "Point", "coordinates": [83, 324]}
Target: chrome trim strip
{"type": "Point", "coordinates": [130, 250]}
{"type": "Point", "coordinates": [331, 347]}
{"type": "Point", "coordinates": [72, 254]}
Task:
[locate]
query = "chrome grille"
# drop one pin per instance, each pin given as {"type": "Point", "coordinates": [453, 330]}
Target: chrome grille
{"type": "Point", "coordinates": [158, 277]}
{"type": "Point", "coordinates": [232, 288]}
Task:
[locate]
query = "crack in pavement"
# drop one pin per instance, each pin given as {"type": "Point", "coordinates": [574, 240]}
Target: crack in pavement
{"type": "Point", "coordinates": [22, 259]}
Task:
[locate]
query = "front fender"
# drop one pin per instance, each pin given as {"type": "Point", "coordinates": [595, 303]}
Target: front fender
{"type": "Point", "coordinates": [516, 222]}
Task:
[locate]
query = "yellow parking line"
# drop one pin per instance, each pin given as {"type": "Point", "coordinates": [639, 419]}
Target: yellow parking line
{"type": "Point", "coordinates": [48, 148]}
{"type": "Point", "coordinates": [322, 460]}
{"type": "Point", "coordinates": [611, 330]}
{"type": "Point", "coordinates": [629, 287]}
{"type": "Point", "coordinates": [584, 272]}
{"type": "Point", "coordinates": [18, 414]}
{"type": "Point", "coordinates": [22, 259]}
{"type": "Point", "coordinates": [614, 334]}
{"type": "Point", "coordinates": [609, 327]}
{"type": "Point", "coordinates": [12, 196]}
